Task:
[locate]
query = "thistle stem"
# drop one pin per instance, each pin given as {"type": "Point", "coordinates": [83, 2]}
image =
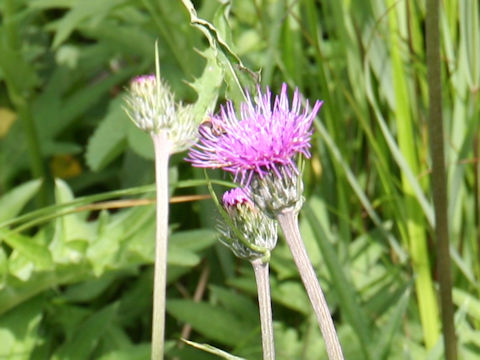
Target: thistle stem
{"type": "Point", "coordinates": [162, 153]}
{"type": "Point", "coordinates": [260, 269]}
{"type": "Point", "coordinates": [288, 221]}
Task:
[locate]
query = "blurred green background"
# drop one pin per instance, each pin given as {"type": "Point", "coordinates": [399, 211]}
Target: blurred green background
{"type": "Point", "coordinates": [76, 277]}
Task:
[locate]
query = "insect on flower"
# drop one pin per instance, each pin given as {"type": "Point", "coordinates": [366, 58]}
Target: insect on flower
{"type": "Point", "coordinates": [213, 126]}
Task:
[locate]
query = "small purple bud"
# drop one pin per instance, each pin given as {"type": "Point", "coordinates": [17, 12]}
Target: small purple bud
{"type": "Point", "coordinates": [142, 79]}
{"type": "Point", "coordinates": [235, 197]}
{"type": "Point", "coordinates": [256, 228]}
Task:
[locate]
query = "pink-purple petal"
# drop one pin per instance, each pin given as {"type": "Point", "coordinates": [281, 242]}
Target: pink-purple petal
{"type": "Point", "coordinates": [264, 138]}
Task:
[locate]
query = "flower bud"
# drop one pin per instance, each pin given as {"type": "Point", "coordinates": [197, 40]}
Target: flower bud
{"type": "Point", "coordinates": [273, 193]}
{"type": "Point", "coordinates": [258, 230]}
{"type": "Point", "coordinates": [151, 106]}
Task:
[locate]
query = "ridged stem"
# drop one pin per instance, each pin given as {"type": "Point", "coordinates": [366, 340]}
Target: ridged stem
{"type": "Point", "coordinates": [288, 221]}
{"type": "Point", "coordinates": [162, 153]}
{"type": "Point", "coordinates": [439, 182]}
{"type": "Point", "coordinates": [261, 270]}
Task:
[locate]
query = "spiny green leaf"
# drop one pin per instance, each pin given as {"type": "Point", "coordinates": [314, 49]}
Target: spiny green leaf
{"type": "Point", "coordinates": [30, 249]}
{"type": "Point", "coordinates": [237, 76]}
{"type": "Point", "coordinates": [207, 86]}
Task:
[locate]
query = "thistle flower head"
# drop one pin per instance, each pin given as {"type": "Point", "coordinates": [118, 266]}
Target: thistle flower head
{"type": "Point", "coordinates": [265, 138]}
{"type": "Point", "coordinates": [275, 194]}
{"type": "Point", "coordinates": [259, 231]}
{"type": "Point", "coordinates": [151, 106]}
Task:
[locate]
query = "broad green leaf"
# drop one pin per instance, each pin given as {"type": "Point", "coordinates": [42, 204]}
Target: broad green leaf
{"type": "Point", "coordinates": [87, 335]}
{"type": "Point", "coordinates": [18, 330]}
{"type": "Point", "coordinates": [69, 317]}
{"type": "Point", "coordinates": [136, 227]}
{"type": "Point", "coordinates": [13, 202]}
{"type": "Point", "coordinates": [282, 263]}
{"type": "Point", "coordinates": [127, 38]}
{"type": "Point", "coordinates": [63, 103]}
{"type": "Point", "coordinates": [136, 352]}
{"type": "Point", "coordinates": [16, 292]}
{"type": "Point", "coordinates": [290, 294]}
{"type": "Point", "coordinates": [212, 321]}
{"type": "Point", "coordinates": [115, 338]}
{"type": "Point", "coordinates": [72, 233]}
{"type": "Point", "coordinates": [88, 290]}
{"type": "Point", "coordinates": [102, 252]}
{"type": "Point", "coordinates": [288, 342]}
{"type": "Point", "coordinates": [193, 240]}
{"type": "Point", "coordinates": [134, 304]}
{"type": "Point", "coordinates": [30, 249]}
{"type": "Point", "coordinates": [20, 267]}
{"type": "Point", "coordinates": [82, 11]}
{"type": "Point", "coordinates": [239, 304]}
{"type": "Point", "coordinates": [141, 245]}
{"type": "Point", "coordinates": [309, 237]}
{"type": "Point", "coordinates": [108, 140]}
{"type": "Point", "coordinates": [366, 267]}
{"type": "Point", "coordinates": [140, 142]}
{"type": "Point", "coordinates": [180, 257]}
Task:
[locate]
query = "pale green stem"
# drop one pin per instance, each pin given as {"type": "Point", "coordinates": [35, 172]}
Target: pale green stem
{"type": "Point", "coordinates": [288, 221]}
{"type": "Point", "coordinates": [162, 153]}
{"type": "Point", "coordinates": [260, 269]}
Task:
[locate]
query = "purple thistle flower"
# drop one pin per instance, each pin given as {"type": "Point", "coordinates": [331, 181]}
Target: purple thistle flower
{"type": "Point", "coordinates": [264, 139]}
